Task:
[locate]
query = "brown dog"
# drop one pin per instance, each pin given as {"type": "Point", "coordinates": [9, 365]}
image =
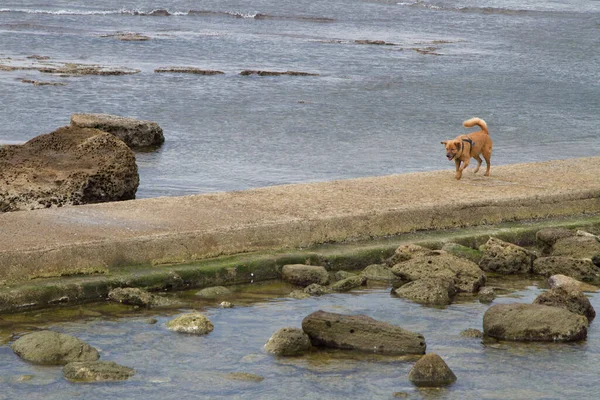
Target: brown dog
{"type": "Point", "coordinates": [474, 145]}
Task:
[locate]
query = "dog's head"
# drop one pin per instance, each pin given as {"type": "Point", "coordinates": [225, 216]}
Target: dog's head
{"type": "Point", "coordinates": [453, 147]}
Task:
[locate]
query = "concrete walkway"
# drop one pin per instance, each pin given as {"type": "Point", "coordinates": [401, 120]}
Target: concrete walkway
{"type": "Point", "coordinates": [97, 238]}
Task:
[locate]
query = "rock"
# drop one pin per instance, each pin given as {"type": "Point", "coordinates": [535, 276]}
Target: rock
{"type": "Point", "coordinates": [486, 295]}
{"type": "Point", "coordinates": [275, 73]}
{"type": "Point", "coordinates": [546, 237]}
{"type": "Point", "coordinates": [299, 294]}
{"type": "Point", "coordinates": [244, 376]}
{"type": "Point", "coordinates": [339, 275]}
{"type": "Point", "coordinates": [134, 132]}
{"type": "Point", "coordinates": [360, 332]}
{"type": "Point", "coordinates": [304, 275]}
{"type": "Point", "coordinates": [195, 323]}
{"type": "Point", "coordinates": [375, 42]}
{"type": "Point", "coordinates": [472, 333]}
{"type": "Point", "coordinates": [577, 247]}
{"type": "Point", "coordinates": [430, 291]}
{"type": "Point", "coordinates": [188, 70]}
{"type": "Point", "coordinates": [53, 348]}
{"type": "Point", "coordinates": [431, 371]}
{"type": "Point", "coordinates": [97, 371]}
{"type": "Point", "coordinates": [556, 281]}
{"type": "Point", "coordinates": [533, 323]}
{"type": "Point", "coordinates": [466, 275]}
{"type": "Point", "coordinates": [567, 297]}
{"type": "Point", "coordinates": [379, 272]}
{"type": "Point", "coordinates": [463, 252]}
{"type": "Point", "coordinates": [214, 292]}
{"type": "Point", "coordinates": [136, 297]}
{"type": "Point", "coordinates": [128, 37]}
{"type": "Point", "coordinates": [406, 252]}
{"type": "Point", "coordinates": [596, 260]}
{"type": "Point", "coordinates": [349, 283]}
{"type": "Point", "coordinates": [505, 258]}
{"type": "Point", "coordinates": [42, 83]}
{"type": "Point", "coordinates": [74, 69]}
{"type": "Point", "coordinates": [288, 342]}
{"type": "Point", "coordinates": [69, 166]}
{"type": "Point", "coordinates": [158, 13]}
{"type": "Point", "coordinates": [580, 269]}
{"type": "Point", "coordinates": [226, 304]}
{"type": "Point", "coordinates": [314, 289]}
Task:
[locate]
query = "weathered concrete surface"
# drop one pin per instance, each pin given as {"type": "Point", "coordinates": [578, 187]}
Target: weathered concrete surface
{"type": "Point", "coordinates": [99, 238]}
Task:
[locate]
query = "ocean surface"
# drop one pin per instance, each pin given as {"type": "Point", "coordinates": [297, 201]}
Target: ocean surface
{"type": "Point", "coordinates": [531, 69]}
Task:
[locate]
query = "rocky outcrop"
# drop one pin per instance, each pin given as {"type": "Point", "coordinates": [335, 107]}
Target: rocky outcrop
{"type": "Point", "coordinates": [360, 332]}
{"type": "Point", "coordinates": [461, 251]}
{"type": "Point", "coordinates": [53, 348]}
{"type": "Point", "coordinates": [379, 272]}
{"type": "Point", "coordinates": [69, 166]}
{"type": "Point", "coordinates": [434, 291]}
{"type": "Point", "coordinates": [556, 281]}
{"type": "Point", "coordinates": [188, 70]}
{"type": "Point", "coordinates": [275, 73]}
{"type": "Point", "coordinates": [244, 376]}
{"type": "Point", "coordinates": [580, 269]}
{"type": "Point", "coordinates": [546, 238]}
{"type": "Point", "coordinates": [472, 333]}
{"type": "Point", "coordinates": [567, 297]}
{"type": "Point", "coordinates": [505, 258]}
{"type": "Point", "coordinates": [406, 252]}
{"type": "Point", "coordinates": [577, 247]}
{"type": "Point", "coordinates": [349, 283]}
{"type": "Point", "coordinates": [194, 323]}
{"type": "Point", "coordinates": [136, 297]}
{"type": "Point", "coordinates": [288, 342]}
{"type": "Point", "coordinates": [214, 292]}
{"type": "Point", "coordinates": [466, 275]}
{"type": "Point", "coordinates": [304, 275]}
{"type": "Point", "coordinates": [431, 371]}
{"type": "Point", "coordinates": [533, 323]}
{"type": "Point", "coordinates": [340, 275]}
{"type": "Point", "coordinates": [134, 132]}
{"type": "Point", "coordinates": [486, 295]}
{"type": "Point", "coordinates": [97, 371]}
{"type": "Point", "coordinates": [314, 289]}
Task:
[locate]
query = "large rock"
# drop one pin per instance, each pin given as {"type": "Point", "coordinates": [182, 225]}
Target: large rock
{"type": "Point", "coordinates": [53, 348]}
{"type": "Point", "coordinates": [577, 247]}
{"type": "Point", "coordinates": [288, 342]}
{"type": "Point", "coordinates": [194, 323]}
{"type": "Point", "coordinates": [360, 332]}
{"type": "Point", "coordinates": [97, 371]}
{"type": "Point", "coordinates": [556, 281]}
{"type": "Point", "coordinates": [533, 323]}
{"type": "Point", "coordinates": [567, 297]}
{"type": "Point", "coordinates": [580, 269]}
{"type": "Point", "coordinates": [429, 291]}
{"type": "Point", "coordinates": [136, 297]}
{"type": "Point", "coordinates": [69, 166]}
{"type": "Point", "coordinates": [214, 292]}
{"type": "Point", "coordinates": [548, 236]}
{"type": "Point", "coordinates": [405, 252]}
{"type": "Point", "coordinates": [431, 371]}
{"type": "Point", "coordinates": [379, 272]}
{"type": "Point", "coordinates": [134, 132]}
{"type": "Point", "coordinates": [304, 275]}
{"type": "Point", "coordinates": [349, 283]}
{"type": "Point", "coordinates": [505, 258]}
{"type": "Point", "coordinates": [465, 274]}
{"type": "Point", "coordinates": [463, 252]}
{"type": "Point", "coordinates": [314, 289]}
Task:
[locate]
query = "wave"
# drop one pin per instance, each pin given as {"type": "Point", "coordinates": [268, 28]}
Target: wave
{"type": "Point", "coordinates": [166, 13]}
{"type": "Point", "coordinates": [479, 10]}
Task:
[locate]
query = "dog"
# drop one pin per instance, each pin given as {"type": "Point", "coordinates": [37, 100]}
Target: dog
{"type": "Point", "coordinates": [475, 145]}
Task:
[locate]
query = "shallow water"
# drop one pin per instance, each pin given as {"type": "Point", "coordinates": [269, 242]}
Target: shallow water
{"type": "Point", "coordinates": [529, 68]}
{"type": "Point", "coordinates": [175, 366]}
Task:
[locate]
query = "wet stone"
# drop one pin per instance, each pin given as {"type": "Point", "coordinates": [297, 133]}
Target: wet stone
{"type": "Point", "coordinates": [288, 342]}
{"type": "Point", "coordinates": [431, 371]}
{"type": "Point", "coordinates": [97, 371]}
{"type": "Point", "coordinates": [53, 348]}
{"type": "Point", "coordinates": [244, 376]}
{"type": "Point", "coordinates": [194, 323]}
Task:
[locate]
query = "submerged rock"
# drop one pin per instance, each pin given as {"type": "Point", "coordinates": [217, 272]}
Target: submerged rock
{"type": "Point", "coordinates": [97, 371]}
{"type": "Point", "coordinates": [288, 342]}
{"type": "Point", "coordinates": [304, 275]}
{"type": "Point", "coordinates": [505, 258]}
{"type": "Point", "coordinates": [486, 295]}
{"type": "Point", "coordinates": [214, 292]}
{"type": "Point", "coordinates": [244, 376]}
{"type": "Point", "coordinates": [349, 283]}
{"type": "Point", "coordinates": [134, 132]}
{"type": "Point", "coordinates": [314, 289]}
{"type": "Point", "coordinates": [195, 323]}
{"type": "Point", "coordinates": [136, 297]}
{"type": "Point", "coordinates": [188, 70]}
{"type": "Point", "coordinates": [300, 294]}
{"type": "Point", "coordinates": [53, 348]}
{"type": "Point", "coordinates": [567, 297]}
{"type": "Point", "coordinates": [431, 371]}
{"type": "Point", "coordinates": [430, 291]}
{"type": "Point", "coordinates": [472, 333]}
{"type": "Point", "coordinates": [581, 269]}
{"type": "Point", "coordinates": [276, 73]}
{"type": "Point", "coordinates": [533, 323]}
{"type": "Point", "coordinates": [69, 166]}
{"type": "Point", "coordinates": [360, 332]}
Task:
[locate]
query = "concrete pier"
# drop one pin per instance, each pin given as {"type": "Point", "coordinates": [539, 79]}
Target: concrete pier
{"type": "Point", "coordinates": [151, 232]}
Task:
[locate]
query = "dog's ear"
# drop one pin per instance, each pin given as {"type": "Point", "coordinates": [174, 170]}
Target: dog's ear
{"type": "Point", "coordinates": [458, 144]}
{"type": "Point", "coordinates": [444, 142]}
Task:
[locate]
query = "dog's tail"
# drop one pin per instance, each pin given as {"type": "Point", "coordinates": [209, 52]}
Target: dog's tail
{"type": "Point", "coordinates": [476, 121]}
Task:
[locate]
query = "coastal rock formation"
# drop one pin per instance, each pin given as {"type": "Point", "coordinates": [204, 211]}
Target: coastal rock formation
{"type": "Point", "coordinates": [53, 348]}
{"type": "Point", "coordinates": [128, 36]}
{"type": "Point", "coordinates": [304, 275]}
{"type": "Point", "coordinates": [577, 247]}
{"type": "Point", "coordinates": [340, 275]}
{"type": "Point", "coordinates": [466, 275]}
{"type": "Point", "coordinates": [288, 342]}
{"type": "Point", "coordinates": [136, 297]}
{"type": "Point", "coordinates": [195, 323]}
{"type": "Point", "coordinates": [406, 252]}
{"type": "Point", "coordinates": [244, 376]}
{"type": "Point", "coordinates": [379, 272]}
{"type": "Point", "coordinates": [188, 70]}
{"type": "Point", "coordinates": [463, 252]}
{"type": "Point", "coordinates": [349, 283]}
{"type": "Point", "coordinates": [360, 332]}
{"type": "Point", "coordinates": [533, 323]}
{"type": "Point", "coordinates": [431, 371]}
{"type": "Point", "coordinates": [580, 269]}
{"type": "Point", "coordinates": [567, 297]}
{"type": "Point", "coordinates": [436, 291]}
{"type": "Point", "coordinates": [546, 238]}
{"type": "Point", "coordinates": [486, 295]}
{"type": "Point", "coordinates": [314, 289]}
{"type": "Point", "coordinates": [505, 258]}
{"type": "Point", "coordinates": [97, 371]}
{"type": "Point", "coordinates": [69, 166]}
{"type": "Point", "coordinates": [275, 73]}
{"type": "Point", "coordinates": [134, 132]}
{"type": "Point", "coordinates": [556, 281]}
{"type": "Point", "coordinates": [214, 292]}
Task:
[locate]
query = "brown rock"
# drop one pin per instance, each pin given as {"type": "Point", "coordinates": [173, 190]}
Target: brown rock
{"type": "Point", "coordinates": [304, 275]}
{"type": "Point", "coordinates": [430, 291]}
{"type": "Point", "coordinates": [556, 281]}
{"type": "Point", "coordinates": [577, 247]}
{"type": "Point", "coordinates": [431, 371]}
{"type": "Point", "coordinates": [53, 348]}
{"type": "Point", "coordinates": [567, 297]}
{"type": "Point", "coordinates": [188, 70]}
{"type": "Point", "coordinates": [505, 258]}
{"type": "Point", "coordinates": [288, 342]}
{"type": "Point", "coordinates": [580, 269]}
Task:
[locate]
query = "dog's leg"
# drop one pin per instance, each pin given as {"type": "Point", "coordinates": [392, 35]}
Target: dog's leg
{"type": "Point", "coordinates": [464, 165]}
{"type": "Point", "coordinates": [457, 163]}
{"type": "Point", "coordinates": [487, 155]}
{"type": "Point", "coordinates": [479, 161]}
